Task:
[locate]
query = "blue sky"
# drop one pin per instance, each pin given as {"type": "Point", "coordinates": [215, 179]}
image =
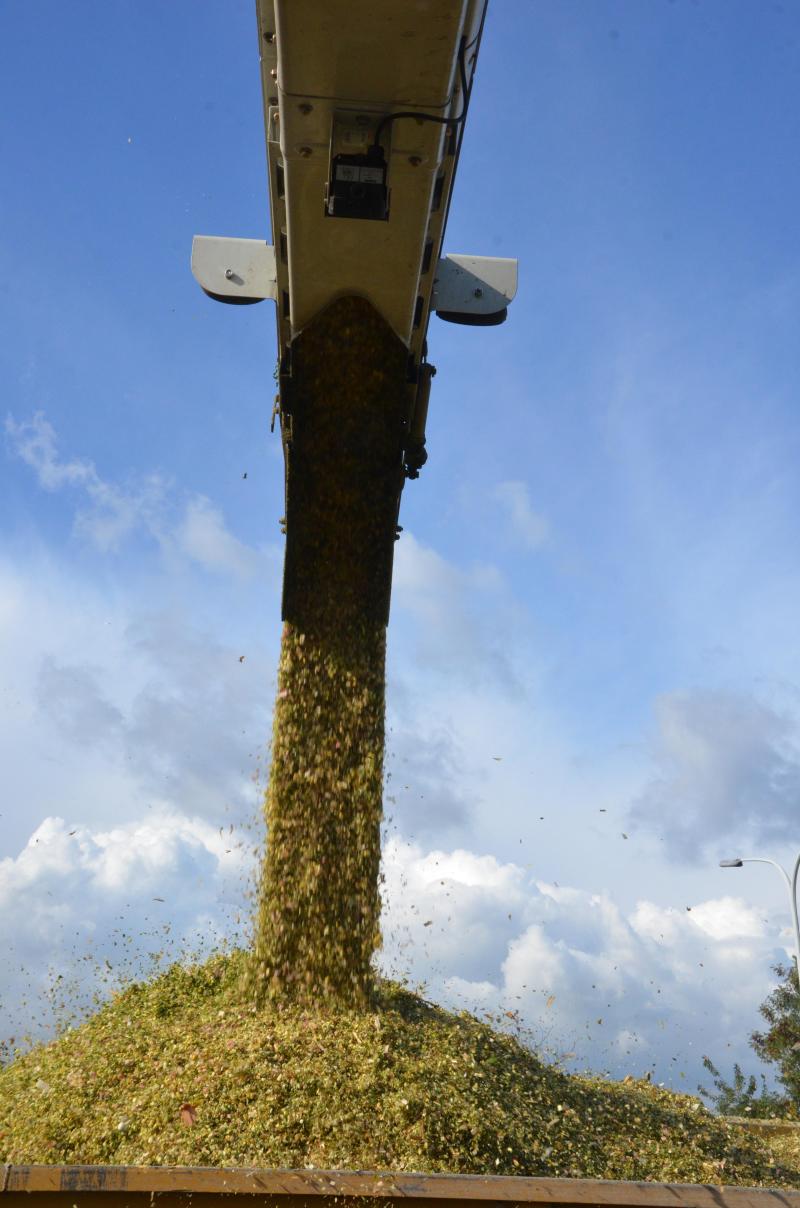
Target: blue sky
{"type": "Point", "coordinates": [594, 625]}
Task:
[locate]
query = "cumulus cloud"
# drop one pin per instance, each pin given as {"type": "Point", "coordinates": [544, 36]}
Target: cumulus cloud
{"type": "Point", "coordinates": [107, 707]}
{"type": "Point", "coordinates": [427, 792]}
{"type": "Point", "coordinates": [455, 620]}
{"type": "Point", "coordinates": [73, 698]}
{"type": "Point", "coordinates": [591, 984]}
{"type": "Point", "coordinates": [652, 988]}
{"type": "Point", "coordinates": [203, 536]}
{"type": "Point", "coordinates": [113, 513]}
{"type": "Point", "coordinates": [84, 910]}
{"type": "Point", "coordinates": [190, 733]}
{"type": "Point", "coordinates": [197, 729]}
{"type": "Point", "coordinates": [196, 531]}
{"type": "Point", "coordinates": [728, 772]}
{"type": "Point", "coordinates": [523, 525]}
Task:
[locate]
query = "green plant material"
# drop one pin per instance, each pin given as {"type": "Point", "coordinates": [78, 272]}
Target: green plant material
{"type": "Point", "coordinates": [342, 417]}
{"type": "Point", "coordinates": [186, 1069]}
{"type": "Point", "coordinates": [785, 1147]}
{"type": "Point", "coordinates": [742, 1096]}
{"type": "Point", "coordinates": [344, 412]}
{"type": "Point", "coordinates": [319, 904]}
{"type": "Point", "coordinates": [780, 1043]}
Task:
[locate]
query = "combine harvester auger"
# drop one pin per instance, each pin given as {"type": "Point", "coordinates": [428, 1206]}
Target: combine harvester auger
{"type": "Point", "coordinates": [365, 103]}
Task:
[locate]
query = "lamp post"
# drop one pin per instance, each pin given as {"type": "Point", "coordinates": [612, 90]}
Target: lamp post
{"type": "Point", "coordinates": [791, 885]}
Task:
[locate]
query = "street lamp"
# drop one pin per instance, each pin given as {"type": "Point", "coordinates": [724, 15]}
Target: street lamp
{"type": "Point", "coordinates": [791, 885]}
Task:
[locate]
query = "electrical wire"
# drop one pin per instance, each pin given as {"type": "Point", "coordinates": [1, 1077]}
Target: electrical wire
{"type": "Point", "coordinates": [431, 117]}
{"type": "Point", "coordinates": [476, 41]}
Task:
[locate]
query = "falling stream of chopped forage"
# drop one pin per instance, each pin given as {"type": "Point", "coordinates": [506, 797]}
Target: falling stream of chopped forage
{"type": "Point", "coordinates": [343, 413]}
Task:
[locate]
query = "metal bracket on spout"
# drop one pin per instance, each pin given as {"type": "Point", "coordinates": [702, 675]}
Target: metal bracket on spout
{"type": "Point", "coordinates": [467, 289]}
{"type": "Point", "coordinates": [475, 290]}
{"type": "Point", "coordinates": [238, 271]}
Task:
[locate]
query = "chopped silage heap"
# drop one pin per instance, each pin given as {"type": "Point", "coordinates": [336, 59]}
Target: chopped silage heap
{"type": "Point", "coordinates": [187, 1070]}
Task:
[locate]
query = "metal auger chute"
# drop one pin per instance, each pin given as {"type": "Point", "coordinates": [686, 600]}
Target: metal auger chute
{"type": "Point", "coordinates": [365, 103]}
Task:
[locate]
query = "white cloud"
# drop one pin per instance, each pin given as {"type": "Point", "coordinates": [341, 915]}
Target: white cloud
{"type": "Point", "coordinates": [456, 621]}
{"type": "Point", "coordinates": [522, 524]}
{"type": "Point", "coordinates": [427, 793]}
{"type": "Point", "coordinates": [106, 707]}
{"type": "Point", "coordinates": [34, 441]}
{"type": "Point", "coordinates": [74, 700]}
{"type": "Point", "coordinates": [195, 532]}
{"type": "Point", "coordinates": [654, 988]}
{"type": "Point", "coordinates": [113, 513]}
{"type": "Point", "coordinates": [202, 536]}
{"type": "Point", "coordinates": [728, 772]}
{"type": "Point", "coordinates": [90, 907]}
{"type": "Point", "coordinates": [728, 918]}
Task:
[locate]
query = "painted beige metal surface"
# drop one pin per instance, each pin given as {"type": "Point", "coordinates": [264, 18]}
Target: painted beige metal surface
{"type": "Point", "coordinates": [371, 52]}
{"type": "Point", "coordinates": [367, 58]}
{"type": "Point", "coordinates": [113, 1186]}
{"type": "Point", "coordinates": [234, 268]}
{"type": "Point", "coordinates": [474, 284]}
{"type": "Point", "coordinates": [244, 269]}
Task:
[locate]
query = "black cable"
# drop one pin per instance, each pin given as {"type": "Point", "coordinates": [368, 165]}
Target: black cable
{"type": "Point", "coordinates": [431, 117]}
{"type": "Point", "coordinates": [476, 41]}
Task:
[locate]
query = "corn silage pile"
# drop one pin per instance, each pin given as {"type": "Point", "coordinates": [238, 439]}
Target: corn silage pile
{"type": "Point", "coordinates": [188, 1070]}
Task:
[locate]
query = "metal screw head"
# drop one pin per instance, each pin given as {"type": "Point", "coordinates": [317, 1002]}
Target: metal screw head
{"type": "Point", "coordinates": [304, 107]}
{"type": "Point", "coordinates": [304, 152]}
{"type": "Point", "coordinates": [415, 160]}
{"type": "Point", "coordinates": [269, 36]}
{"type": "Point", "coordinates": [477, 293]}
{"type": "Point", "coordinates": [229, 273]}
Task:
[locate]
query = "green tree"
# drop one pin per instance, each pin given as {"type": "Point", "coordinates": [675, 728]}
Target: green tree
{"type": "Point", "coordinates": [779, 1046]}
{"type": "Point", "coordinates": [741, 1097]}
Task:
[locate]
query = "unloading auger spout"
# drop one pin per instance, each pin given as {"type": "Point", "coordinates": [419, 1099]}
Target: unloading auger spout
{"type": "Point", "coordinates": [365, 104]}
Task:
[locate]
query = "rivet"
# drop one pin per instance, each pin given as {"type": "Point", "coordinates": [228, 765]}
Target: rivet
{"type": "Point", "coordinates": [415, 160]}
{"type": "Point", "coordinates": [304, 151]}
{"type": "Point", "coordinates": [304, 107]}
{"type": "Point", "coordinates": [478, 293]}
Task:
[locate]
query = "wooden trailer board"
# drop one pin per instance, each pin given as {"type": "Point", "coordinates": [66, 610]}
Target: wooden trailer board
{"type": "Point", "coordinates": [207, 1187]}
